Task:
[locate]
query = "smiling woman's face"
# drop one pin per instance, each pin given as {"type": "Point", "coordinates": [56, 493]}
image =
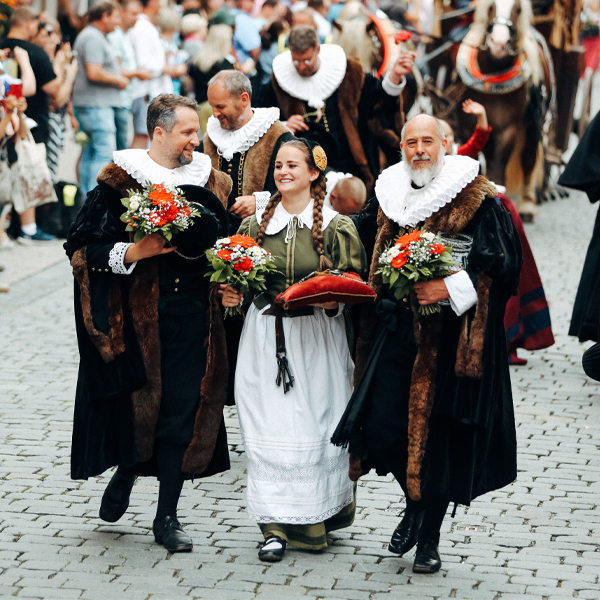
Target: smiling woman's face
{"type": "Point", "coordinates": [292, 174]}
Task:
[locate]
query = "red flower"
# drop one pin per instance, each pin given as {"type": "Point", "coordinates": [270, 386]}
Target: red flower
{"type": "Point", "coordinates": [402, 36]}
{"type": "Point", "coordinates": [406, 239]}
{"type": "Point", "coordinates": [171, 213]}
{"type": "Point", "coordinates": [159, 195]}
{"type": "Point", "coordinates": [224, 254]}
{"type": "Point", "coordinates": [400, 260]}
{"type": "Point", "coordinates": [245, 241]}
{"type": "Point", "coordinates": [437, 248]}
{"type": "Point", "coordinates": [245, 265]}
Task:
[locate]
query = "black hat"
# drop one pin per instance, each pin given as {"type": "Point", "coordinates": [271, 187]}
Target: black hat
{"type": "Point", "coordinates": [591, 362]}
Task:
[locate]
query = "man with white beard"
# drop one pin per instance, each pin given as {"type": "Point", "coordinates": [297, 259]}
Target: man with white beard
{"type": "Point", "coordinates": [433, 402]}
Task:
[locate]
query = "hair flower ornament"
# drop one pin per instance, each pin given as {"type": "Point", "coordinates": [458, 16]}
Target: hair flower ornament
{"type": "Point", "coordinates": [320, 158]}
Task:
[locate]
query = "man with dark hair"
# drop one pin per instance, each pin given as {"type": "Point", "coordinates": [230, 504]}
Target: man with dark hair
{"type": "Point", "coordinates": [96, 92]}
{"type": "Point", "coordinates": [153, 363]}
{"type": "Point", "coordinates": [324, 95]}
{"type": "Point", "coordinates": [242, 141]}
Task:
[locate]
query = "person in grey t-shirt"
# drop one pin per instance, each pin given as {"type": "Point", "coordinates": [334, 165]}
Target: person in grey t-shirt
{"type": "Point", "coordinates": [96, 91]}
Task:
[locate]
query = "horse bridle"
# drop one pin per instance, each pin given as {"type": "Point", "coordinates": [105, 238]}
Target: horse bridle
{"type": "Point", "coordinates": [512, 51]}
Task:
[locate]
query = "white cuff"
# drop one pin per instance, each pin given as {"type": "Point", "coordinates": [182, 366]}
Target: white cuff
{"type": "Point", "coordinates": [262, 199]}
{"type": "Point", "coordinates": [461, 291]}
{"type": "Point", "coordinates": [116, 259]}
{"type": "Point", "coordinates": [392, 89]}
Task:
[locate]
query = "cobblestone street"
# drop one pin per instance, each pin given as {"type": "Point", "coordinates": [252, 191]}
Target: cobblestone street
{"type": "Point", "coordinates": [538, 538]}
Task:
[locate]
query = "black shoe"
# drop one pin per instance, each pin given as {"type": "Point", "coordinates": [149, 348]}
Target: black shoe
{"type": "Point", "coordinates": [115, 499]}
{"type": "Point", "coordinates": [427, 558]}
{"type": "Point", "coordinates": [406, 534]}
{"type": "Point", "coordinates": [168, 532]}
{"type": "Point", "coordinates": [272, 549]}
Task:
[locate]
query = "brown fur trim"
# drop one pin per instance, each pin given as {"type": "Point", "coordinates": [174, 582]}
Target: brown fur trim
{"type": "Point", "coordinates": [118, 178]}
{"type": "Point", "coordinates": [422, 390]}
{"type": "Point", "coordinates": [348, 97]}
{"type": "Point", "coordinates": [213, 392]}
{"type": "Point", "coordinates": [110, 345]}
{"type": "Point", "coordinates": [220, 185]}
{"type": "Point", "coordinates": [257, 161]}
{"type": "Point", "coordinates": [143, 302]}
{"type": "Point", "coordinates": [288, 105]}
{"type": "Point", "coordinates": [355, 469]}
{"type": "Point", "coordinates": [454, 217]}
{"type": "Point", "coordinates": [469, 354]}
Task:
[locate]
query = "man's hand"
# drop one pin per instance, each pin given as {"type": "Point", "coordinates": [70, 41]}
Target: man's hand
{"type": "Point", "coordinates": [151, 245]}
{"type": "Point", "coordinates": [21, 105]}
{"type": "Point", "coordinates": [121, 82]}
{"type": "Point", "coordinates": [10, 103]}
{"type": "Point", "coordinates": [402, 66]}
{"type": "Point", "coordinates": [143, 74]}
{"type": "Point", "coordinates": [231, 297]}
{"type": "Point", "coordinates": [296, 123]}
{"type": "Point", "coordinates": [245, 206]}
{"type": "Point", "coordinates": [430, 292]}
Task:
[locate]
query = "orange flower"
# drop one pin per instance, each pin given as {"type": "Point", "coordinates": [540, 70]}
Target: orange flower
{"type": "Point", "coordinates": [224, 254]}
{"type": "Point", "coordinates": [159, 195]}
{"type": "Point", "coordinates": [437, 248]}
{"type": "Point", "coordinates": [400, 260]}
{"type": "Point", "coordinates": [244, 265]}
{"type": "Point", "coordinates": [406, 239]}
{"type": "Point", "coordinates": [244, 241]}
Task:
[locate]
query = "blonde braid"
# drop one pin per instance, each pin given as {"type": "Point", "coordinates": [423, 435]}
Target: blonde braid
{"type": "Point", "coordinates": [266, 217]}
{"type": "Point", "coordinates": [318, 190]}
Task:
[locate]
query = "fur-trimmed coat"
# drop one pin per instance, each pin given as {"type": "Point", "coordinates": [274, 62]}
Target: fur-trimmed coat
{"type": "Point", "coordinates": [450, 426]}
{"type": "Point", "coordinates": [357, 104]}
{"type": "Point", "coordinates": [119, 387]}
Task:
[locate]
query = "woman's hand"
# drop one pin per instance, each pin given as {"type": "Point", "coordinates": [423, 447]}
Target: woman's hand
{"type": "Point", "coordinates": [21, 105]}
{"type": "Point", "coordinates": [328, 305]}
{"type": "Point", "coordinates": [231, 297]}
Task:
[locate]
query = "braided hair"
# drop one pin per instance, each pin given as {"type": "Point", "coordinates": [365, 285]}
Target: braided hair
{"type": "Point", "coordinates": [317, 190]}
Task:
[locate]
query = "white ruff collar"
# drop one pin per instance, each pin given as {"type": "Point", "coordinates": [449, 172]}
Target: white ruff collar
{"type": "Point", "coordinates": [318, 87]}
{"type": "Point", "coordinates": [282, 218]}
{"type": "Point", "coordinates": [143, 169]}
{"type": "Point", "coordinates": [408, 206]}
{"type": "Point", "coordinates": [242, 139]}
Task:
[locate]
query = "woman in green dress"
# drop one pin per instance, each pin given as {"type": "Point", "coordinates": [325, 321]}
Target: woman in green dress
{"type": "Point", "coordinates": [298, 486]}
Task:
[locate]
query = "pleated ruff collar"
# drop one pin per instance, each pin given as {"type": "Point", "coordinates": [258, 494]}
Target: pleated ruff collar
{"type": "Point", "coordinates": [242, 139]}
{"type": "Point", "coordinates": [142, 168]}
{"type": "Point", "coordinates": [313, 90]}
{"type": "Point", "coordinates": [282, 219]}
{"type": "Point", "coordinates": [408, 206]}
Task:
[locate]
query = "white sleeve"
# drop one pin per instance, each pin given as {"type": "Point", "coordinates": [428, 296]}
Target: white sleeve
{"type": "Point", "coordinates": [116, 259]}
{"type": "Point", "coordinates": [390, 88]}
{"type": "Point", "coordinates": [149, 53]}
{"type": "Point", "coordinates": [462, 293]}
{"type": "Point", "coordinates": [262, 199]}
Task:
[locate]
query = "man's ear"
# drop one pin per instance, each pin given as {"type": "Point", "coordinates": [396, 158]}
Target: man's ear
{"type": "Point", "coordinates": [158, 133]}
{"type": "Point", "coordinates": [444, 144]}
{"type": "Point", "coordinates": [245, 98]}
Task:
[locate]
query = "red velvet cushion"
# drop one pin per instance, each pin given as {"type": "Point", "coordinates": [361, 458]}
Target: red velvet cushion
{"type": "Point", "coordinates": [347, 288]}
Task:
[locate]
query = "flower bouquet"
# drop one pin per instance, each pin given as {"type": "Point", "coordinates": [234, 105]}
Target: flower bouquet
{"type": "Point", "coordinates": [415, 256]}
{"type": "Point", "coordinates": [240, 262]}
{"type": "Point", "coordinates": [158, 209]}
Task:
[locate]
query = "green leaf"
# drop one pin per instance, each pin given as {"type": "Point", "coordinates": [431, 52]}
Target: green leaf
{"type": "Point", "coordinates": [138, 236]}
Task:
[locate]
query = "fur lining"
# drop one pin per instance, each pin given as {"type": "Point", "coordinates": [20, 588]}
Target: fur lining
{"type": "Point", "coordinates": [220, 185]}
{"type": "Point", "coordinates": [258, 158]}
{"type": "Point", "coordinates": [422, 391]}
{"type": "Point", "coordinates": [469, 355]}
{"type": "Point", "coordinates": [143, 302]}
{"type": "Point", "coordinates": [117, 179]}
{"type": "Point", "coordinates": [110, 345]}
{"type": "Point", "coordinates": [213, 392]}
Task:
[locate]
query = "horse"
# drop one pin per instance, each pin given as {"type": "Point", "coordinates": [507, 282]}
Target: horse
{"type": "Point", "coordinates": [505, 66]}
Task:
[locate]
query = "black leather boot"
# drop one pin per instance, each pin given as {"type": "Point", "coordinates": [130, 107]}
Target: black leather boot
{"type": "Point", "coordinates": [427, 557]}
{"type": "Point", "coordinates": [406, 534]}
{"type": "Point", "coordinates": [169, 533]}
{"type": "Point", "coordinates": [115, 499]}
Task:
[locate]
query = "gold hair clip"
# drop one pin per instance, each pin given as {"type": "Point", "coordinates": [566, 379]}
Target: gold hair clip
{"type": "Point", "coordinates": [320, 158]}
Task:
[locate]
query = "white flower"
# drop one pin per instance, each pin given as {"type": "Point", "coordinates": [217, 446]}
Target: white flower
{"type": "Point", "coordinates": [134, 204]}
{"type": "Point", "coordinates": [428, 236]}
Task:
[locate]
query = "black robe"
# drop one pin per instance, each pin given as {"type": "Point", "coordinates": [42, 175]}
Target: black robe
{"type": "Point", "coordinates": [146, 370]}
{"type": "Point", "coordinates": [583, 173]}
{"type": "Point", "coordinates": [469, 438]}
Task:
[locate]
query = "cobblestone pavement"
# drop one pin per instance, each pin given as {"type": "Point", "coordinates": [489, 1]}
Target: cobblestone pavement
{"type": "Point", "coordinates": [538, 538]}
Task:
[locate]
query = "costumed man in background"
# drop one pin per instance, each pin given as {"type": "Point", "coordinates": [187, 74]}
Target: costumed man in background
{"type": "Point", "coordinates": [150, 391]}
{"type": "Point", "coordinates": [444, 424]}
{"type": "Point", "coordinates": [328, 98]}
{"type": "Point", "coordinates": [243, 142]}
